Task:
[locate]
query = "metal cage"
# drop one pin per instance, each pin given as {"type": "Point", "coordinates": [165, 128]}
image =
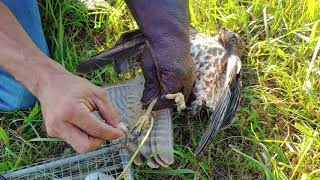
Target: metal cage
{"type": "Point", "coordinates": [110, 160]}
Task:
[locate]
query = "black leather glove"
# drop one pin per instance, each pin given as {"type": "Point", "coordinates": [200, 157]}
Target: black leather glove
{"type": "Point", "coordinates": [166, 64]}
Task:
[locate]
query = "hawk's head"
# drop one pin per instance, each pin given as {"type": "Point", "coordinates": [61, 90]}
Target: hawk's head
{"type": "Point", "coordinates": [232, 42]}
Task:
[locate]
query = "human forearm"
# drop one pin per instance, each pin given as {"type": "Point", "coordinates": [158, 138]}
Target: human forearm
{"type": "Point", "coordinates": [66, 100]}
{"type": "Point", "coordinates": [21, 57]}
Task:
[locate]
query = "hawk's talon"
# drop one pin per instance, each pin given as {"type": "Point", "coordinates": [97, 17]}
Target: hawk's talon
{"type": "Point", "coordinates": [135, 135]}
{"type": "Point", "coordinates": [179, 100]}
{"type": "Point", "coordinates": [139, 126]}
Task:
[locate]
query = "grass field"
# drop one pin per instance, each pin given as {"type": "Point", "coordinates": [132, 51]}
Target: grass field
{"type": "Point", "coordinates": [276, 135]}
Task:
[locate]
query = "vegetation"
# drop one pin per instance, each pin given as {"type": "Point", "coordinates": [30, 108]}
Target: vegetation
{"type": "Point", "coordinates": [276, 135]}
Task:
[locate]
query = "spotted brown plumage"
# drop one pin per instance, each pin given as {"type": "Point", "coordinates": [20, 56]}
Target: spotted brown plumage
{"type": "Point", "coordinates": [217, 61]}
{"type": "Point", "coordinates": [218, 81]}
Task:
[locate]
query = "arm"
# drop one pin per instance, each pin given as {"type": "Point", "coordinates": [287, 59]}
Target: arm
{"type": "Point", "coordinates": [66, 100]}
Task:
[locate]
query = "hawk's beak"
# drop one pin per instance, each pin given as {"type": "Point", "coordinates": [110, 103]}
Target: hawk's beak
{"type": "Point", "coordinates": [222, 35]}
{"type": "Point", "coordinates": [223, 29]}
{"type": "Point", "coordinates": [222, 39]}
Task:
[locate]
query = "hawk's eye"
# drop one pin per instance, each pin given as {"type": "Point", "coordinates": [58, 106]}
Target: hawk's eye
{"type": "Point", "coordinates": [233, 39]}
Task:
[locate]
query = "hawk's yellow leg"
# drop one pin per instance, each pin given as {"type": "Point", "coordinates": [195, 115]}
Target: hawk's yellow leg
{"type": "Point", "coordinates": [143, 120]}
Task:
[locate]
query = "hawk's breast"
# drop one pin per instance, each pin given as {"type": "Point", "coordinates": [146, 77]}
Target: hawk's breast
{"type": "Point", "coordinates": [207, 54]}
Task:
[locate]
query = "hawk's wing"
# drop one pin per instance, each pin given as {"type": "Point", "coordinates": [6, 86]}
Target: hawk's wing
{"type": "Point", "coordinates": [126, 51]}
{"type": "Point", "coordinates": [234, 102]}
{"type": "Point", "coordinates": [224, 111]}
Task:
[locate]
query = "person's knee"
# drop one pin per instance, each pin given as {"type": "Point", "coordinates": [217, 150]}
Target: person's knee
{"type": "Point", "coordinates": [23, 100]}
{"type": "Point", "coordinates": [13, 95]}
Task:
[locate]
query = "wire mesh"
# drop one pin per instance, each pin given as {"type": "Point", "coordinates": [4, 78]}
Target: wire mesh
{"type": "Point", "coordinates": [110, 160]}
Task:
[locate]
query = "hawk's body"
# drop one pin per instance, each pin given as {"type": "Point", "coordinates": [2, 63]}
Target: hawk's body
{"type": "Point", "coordinates": [217, 61]}
{"type": "Point", "coordinates": [207, 54]}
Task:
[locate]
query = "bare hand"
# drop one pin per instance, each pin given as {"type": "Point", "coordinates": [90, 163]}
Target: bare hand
{"type": "Point", "coordinates": [67, 102]}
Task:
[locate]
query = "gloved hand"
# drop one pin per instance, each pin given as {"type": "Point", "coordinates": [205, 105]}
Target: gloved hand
{"type": "Point", "coordinates": [166, 64]}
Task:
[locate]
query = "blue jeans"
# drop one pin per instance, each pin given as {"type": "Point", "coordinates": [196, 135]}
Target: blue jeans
{"type": "Point", "coordinates": [13, 95]}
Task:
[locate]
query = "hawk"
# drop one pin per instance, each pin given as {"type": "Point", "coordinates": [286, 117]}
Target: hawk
{"type": "Point", "coordinates": [218, 65]}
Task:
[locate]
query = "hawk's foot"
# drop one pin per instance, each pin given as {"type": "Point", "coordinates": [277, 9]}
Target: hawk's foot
{"type": "Point", "coordinates": [178, 98]}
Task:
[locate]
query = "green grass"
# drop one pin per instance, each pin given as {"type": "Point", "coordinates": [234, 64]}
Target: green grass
{"type": "Point", "coordinates": [276, 135]}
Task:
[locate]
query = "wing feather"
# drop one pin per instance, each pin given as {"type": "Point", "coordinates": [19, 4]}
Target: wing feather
{"type": "Point", "coordinates": [129, 45]}
{"type": "Point", "coordinates": [224, 107]}
{"type": "Point", "coordinates": [215, 122]}
{"type": "Point", "coordinates": [233, 104]}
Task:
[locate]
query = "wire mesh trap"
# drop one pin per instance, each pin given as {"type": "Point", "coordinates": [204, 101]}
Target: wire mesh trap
{"type": "Point", "coordinates": [105, 163]}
